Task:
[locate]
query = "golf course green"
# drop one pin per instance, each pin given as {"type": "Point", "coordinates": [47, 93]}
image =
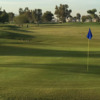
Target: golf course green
{"type": "Point", "coordinates": [49, 62]}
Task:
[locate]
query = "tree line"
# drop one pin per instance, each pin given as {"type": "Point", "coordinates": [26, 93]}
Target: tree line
{"type": "Point", "coordinates": [62, 12]}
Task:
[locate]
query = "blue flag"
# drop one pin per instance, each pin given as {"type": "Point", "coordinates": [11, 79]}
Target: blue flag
{"type": "Point", "coordinates": [89, 35]}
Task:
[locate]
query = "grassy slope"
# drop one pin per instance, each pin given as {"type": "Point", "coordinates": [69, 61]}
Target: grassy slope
{"type": "Point", "coordinates": [49, 62]}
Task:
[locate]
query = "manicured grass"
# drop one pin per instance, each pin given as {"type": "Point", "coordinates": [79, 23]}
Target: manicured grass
{"type": "Point", "coordinates": [49, 62]}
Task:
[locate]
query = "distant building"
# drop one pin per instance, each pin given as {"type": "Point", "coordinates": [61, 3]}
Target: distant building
{"type": "Point", "coordinates": [73, 19]}
{"type": "Point", "coordinates": [94, 20]}
{"type": "Point", "coordinates": [70, 19]}
{"type": "Point", "coordinates": [54, 20]}
{"type": "Point", "coordinates": [77, 20]}
{"type": "Point", "coordinates": [88, 20]}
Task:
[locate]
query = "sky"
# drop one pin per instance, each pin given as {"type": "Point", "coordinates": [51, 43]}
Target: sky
{"type": "Point", "coordinates": [77, 6]}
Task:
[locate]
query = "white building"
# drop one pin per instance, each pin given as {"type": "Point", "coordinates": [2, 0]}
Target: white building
{"type": "Point", "coordinates": [88, 20]}
{"type": "Point", "coordinates": [94, 20]}
{"type": "Point", "coordinates": [54, 20]}
{"type": "Point", "coordinates": [70, 19]}
{"type": "Point", "coordinates": [77, 20]}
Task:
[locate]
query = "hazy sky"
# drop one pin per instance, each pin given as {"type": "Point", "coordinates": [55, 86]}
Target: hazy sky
{"type": "Point", "coordinates": [77, 6]}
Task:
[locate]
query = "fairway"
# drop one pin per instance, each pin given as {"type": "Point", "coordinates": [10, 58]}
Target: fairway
{"type": "Point", "coordinates": [49, 62]}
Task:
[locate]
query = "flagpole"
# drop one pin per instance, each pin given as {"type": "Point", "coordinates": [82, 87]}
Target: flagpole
{"type": "Point", "coordinates": [88, 57]}
{"type": "Point", "coordinates": [89, 36]}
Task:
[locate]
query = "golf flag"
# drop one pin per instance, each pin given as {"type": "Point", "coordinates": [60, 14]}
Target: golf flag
{"type": "Point", "coordinates": [89, 35]}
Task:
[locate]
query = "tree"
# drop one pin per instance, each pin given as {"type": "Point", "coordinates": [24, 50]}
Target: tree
{"type": "Point", "coordinates": [0, 8]}
{"type": "Point", "coordinates": [92, 12]}
{"type": "Point", "coordinates": [21, 11]}
{"type": "Point", "coordinates": [78, 16]}
{"type": "Point", "coordinates": [84, 18]}
{"type": "Point", "coordinates": [21, 19]}
{"type": "Point", "coordinates": [47, 16]}
{"type": "Point", "coordinates": [26, 9]}
{"type": "Point", "coordinates": [11, 16]}
{"type": "Point", "coordinates": [4, 17]}
{"type": "Point", "coordinates": [29, 15]}
{"type": "Point", "coordinates": [62, 12]}
{"type": "Point", "coordinates": [93, 15]}
{"type": "Point", "coordinates": [37, 15]}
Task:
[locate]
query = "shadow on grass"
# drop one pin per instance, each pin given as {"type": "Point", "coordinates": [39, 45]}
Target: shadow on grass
{"type": "Point", "coordinates": [21, 51]}
{"type": "Point", "coordinates": [74, 68]}
{"type": "Point", "coordinates": [10, 26]}
{"type": "Point", "coordinates": [59, 68]}
{"type": "Point", "coordinates": [13, 35]}
{"type": "Point", "coordinates": [14, 28]}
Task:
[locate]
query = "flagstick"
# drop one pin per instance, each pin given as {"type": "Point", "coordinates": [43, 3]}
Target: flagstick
{"type": "Point", "coordinates": [88, 57]}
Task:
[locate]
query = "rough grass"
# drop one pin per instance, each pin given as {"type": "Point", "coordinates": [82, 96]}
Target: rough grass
{"type": "Point", "coordinates": [49, 62]}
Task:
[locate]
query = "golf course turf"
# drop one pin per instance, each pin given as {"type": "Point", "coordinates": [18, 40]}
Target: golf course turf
{"type": "Point", "coordinates": [49, 62]}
